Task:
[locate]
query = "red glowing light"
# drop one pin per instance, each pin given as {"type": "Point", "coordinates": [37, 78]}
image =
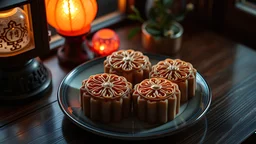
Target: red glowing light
{"type": "Point", "coordinates": [105, 41]}
{"type": "Point", "coordinates": [102, 48]}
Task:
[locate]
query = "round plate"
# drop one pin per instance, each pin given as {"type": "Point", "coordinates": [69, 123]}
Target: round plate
{"type": "Point", "coordinates": [130, 128]}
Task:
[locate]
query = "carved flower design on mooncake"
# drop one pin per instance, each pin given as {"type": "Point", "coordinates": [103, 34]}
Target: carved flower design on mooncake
{"type": "Point", "coordinates": [156, 88]}
{"type": "Point", "coordinates": [128, 60]}
{"type": "Point", "coordinates": [107, 86]}
{"type": "Point", "coordinates": [174, 70]}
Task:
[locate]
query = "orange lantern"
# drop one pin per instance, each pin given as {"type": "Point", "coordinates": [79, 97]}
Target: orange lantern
{"type": "Point", "coordinates": [72, 19]}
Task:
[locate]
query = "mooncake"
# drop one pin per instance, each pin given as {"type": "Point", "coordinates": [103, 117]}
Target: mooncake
{"type": "Point", "coordinates": [180, 72]}
{"type": "Point", "coordinates": [133, 65]}
{"type": "Point", "coordinates": [156, 100]}
{"type": "Point", "coordinates": [106, 97]}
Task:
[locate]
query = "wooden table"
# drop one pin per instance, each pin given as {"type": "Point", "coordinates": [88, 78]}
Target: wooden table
{"type": "Point", "coordinates": [228, 67]}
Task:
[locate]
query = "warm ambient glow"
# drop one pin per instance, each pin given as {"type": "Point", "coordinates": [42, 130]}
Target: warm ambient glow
{"type": "Point", "coordinates": [8, 13]}
{"type": "Point", "coordinates": [14, 28]}
{"type": "Point", "coordinates": [71, 17]}
{"type": "Point", "coordinates": [105, 41]}
{"type": "Point", "coordinates": [122, 5]}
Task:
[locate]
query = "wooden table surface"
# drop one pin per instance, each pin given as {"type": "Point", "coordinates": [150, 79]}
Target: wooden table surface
{"type": "Point", "coordinates": [228, 67]}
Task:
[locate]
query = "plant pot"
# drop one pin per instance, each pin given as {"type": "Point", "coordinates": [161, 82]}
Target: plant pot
{"type": "Point", "coordinates": [164, 45]}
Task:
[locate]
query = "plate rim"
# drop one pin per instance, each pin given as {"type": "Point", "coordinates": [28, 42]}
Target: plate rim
{"type": "Point", "coordinates": [108, 134]}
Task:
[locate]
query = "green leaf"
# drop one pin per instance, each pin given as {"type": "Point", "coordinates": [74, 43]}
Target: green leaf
{"type": "Point", "coordinates": [134, 9]}
{"type": "Point", "coordinates": [133, 17]}
{"type": "Point", "coordinates": [133, 32]}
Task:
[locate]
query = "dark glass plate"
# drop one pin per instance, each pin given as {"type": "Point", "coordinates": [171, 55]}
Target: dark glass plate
{"type": "Point", "coordinates": [130, 128]}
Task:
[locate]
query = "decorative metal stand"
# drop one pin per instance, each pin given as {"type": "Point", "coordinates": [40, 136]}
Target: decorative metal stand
{"type": "Point", "coordinates": [24, 81]}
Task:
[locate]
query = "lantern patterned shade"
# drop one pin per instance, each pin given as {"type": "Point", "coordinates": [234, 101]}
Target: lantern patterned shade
{"type": "Point", "coordinates": [14, 30]}
{"type": "Point", "coordinates": [71, 17]}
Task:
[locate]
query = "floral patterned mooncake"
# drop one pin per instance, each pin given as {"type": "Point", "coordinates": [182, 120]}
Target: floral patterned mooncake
{"type": "Point", "coordinates": [156, 100]}
{"type": "Point", "coordinates": [106, 97]}
{"type": "Point", "coordinates": [179, 72]}
{"type": "Point", "coordinates": [133, 65]}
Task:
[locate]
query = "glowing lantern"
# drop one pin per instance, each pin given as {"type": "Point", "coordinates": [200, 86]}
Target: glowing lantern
{"type": "Point", "coordinates": [105, 41]}
{"type": "Point", "coordinates": [72, 19]}
{"type": "Point", "coordinates": [14, 29]}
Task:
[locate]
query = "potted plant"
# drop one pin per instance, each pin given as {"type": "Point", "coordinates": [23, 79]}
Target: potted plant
{"type": "Point", "coordinates": [161, 32]}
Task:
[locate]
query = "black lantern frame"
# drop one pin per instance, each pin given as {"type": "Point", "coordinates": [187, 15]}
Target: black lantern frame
{"type": "Point", "coordinates": [40, 29]}
{"type": "Point", "coordinates": [22, 75]}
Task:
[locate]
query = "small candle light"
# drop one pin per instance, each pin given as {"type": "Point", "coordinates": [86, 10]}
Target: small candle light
{"type": "Point", "coordinates": [105, 41]}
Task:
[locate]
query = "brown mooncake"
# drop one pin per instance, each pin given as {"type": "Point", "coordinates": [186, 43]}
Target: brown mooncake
{"type": "Point", "coordinates": [156, 100]}
{"type": "Point", "coordinates": [106, 97]}
{"type": "Point", "coordinates": [133, 65]}
{"type": "Point", "coordinates": [179, 72]}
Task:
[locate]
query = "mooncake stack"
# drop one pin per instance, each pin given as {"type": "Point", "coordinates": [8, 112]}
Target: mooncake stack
{"type": "Point", "coordinates": [130, 85]}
